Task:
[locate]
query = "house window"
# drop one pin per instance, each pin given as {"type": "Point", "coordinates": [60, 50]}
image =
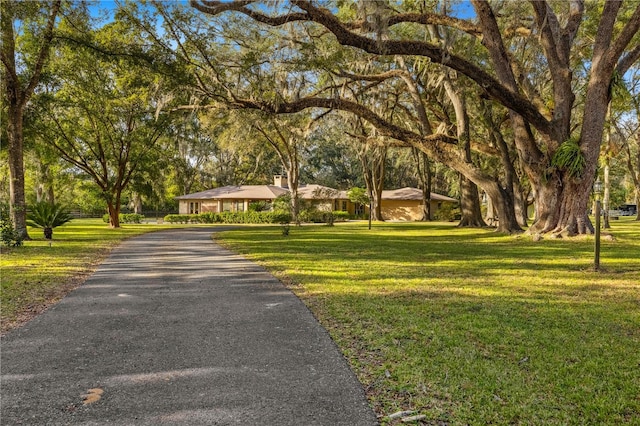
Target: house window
{"type": "Point", "coordinates": [344, 206]}
{"type": "Point", "coordinates": [359, 210]}
{"type": "Point", "coordinates": [226, 206]}
{"type": "Point", "coordinates": [239, 204]}
{"type": "Point", "coordinates": [194, 207]}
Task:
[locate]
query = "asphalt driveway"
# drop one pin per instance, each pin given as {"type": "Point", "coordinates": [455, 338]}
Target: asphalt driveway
{"type": "Point", "coordinates": [173, 329]}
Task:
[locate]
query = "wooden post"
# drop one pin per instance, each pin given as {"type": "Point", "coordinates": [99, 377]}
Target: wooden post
{"type": "Point", "coordinates": [596, 259]}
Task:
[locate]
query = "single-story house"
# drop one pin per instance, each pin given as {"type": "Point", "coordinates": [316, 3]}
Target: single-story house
{"type": "Point", "coordinates": [398, 204]}
{"type": "Point", "coordinates": [406, 203]}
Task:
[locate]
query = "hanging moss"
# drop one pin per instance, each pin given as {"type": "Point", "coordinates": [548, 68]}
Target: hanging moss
{"type": "Point", "coordinates": [569, 158]}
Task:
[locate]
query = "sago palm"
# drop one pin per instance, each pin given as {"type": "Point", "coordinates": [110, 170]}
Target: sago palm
{"type": "Point", "coordinates": [47, 216]}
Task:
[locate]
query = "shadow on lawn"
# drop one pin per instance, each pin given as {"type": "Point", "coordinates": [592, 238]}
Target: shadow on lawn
{"type": "Point", "coordinates": [502, 353]}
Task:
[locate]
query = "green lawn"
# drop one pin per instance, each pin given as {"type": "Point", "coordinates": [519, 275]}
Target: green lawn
{"type": "Point", "coordinates": [35, 275]}
{"type": "Point", "coordinates": [463, 326]}
{"type": "Point", "coordinates": [469, 327]}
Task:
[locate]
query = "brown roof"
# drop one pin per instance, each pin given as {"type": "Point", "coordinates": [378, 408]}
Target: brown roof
{"type": "Point", "coordinates": [245, 192]}
{"type": "Point", "coordinates": [412, 194]}
{"type": "Point", "coordinates": [313, 191]}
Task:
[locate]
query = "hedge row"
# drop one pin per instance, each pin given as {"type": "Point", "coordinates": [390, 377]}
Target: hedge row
{"type": "Point", "coordinates": [230, 217]}
{"type": "Point", "coordinates": [317, 216]}
{"type": "Point", "coordinates": [257, 217]}
{"type": "Point", "coordinates": [126, 218]}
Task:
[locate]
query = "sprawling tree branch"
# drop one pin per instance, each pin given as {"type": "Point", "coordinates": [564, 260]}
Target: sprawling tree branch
{"type": "Point", "coordinates": [503, 94]}
{"type": "Point", "coordinates": [626, 35]}
{"type": "Point", "coordinates": [628, 60]}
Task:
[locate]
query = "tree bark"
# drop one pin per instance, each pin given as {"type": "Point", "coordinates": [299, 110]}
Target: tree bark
{"type": "Point", "coordinates": [423, 169]}
{"type": "Point", "coordinates": [114, 214]}
{"type": "Point", "coordinates": [17, 203]}
{"type": "Point", "coordinates": [490, 214]}
{"type": "Point", "coordinates": [470, 205]}
{"type": "Point", "coordinates": [470, 199]}
{"type": "Point", "coordinates": [510, 175]}
{"type": "Point", "coordinates": [293, 180]}
{"type": "Point", "coordinates": [373, 161]}
{"type": "Point", "coordinates": [521, 207]}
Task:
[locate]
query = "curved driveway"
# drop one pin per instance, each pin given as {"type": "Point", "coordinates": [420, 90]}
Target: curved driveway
{"type": "Point", "coordinates": [173, 329]}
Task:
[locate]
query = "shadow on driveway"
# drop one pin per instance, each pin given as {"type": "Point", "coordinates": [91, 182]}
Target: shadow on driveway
{"type": "Point", "coordinates": [173, 329]}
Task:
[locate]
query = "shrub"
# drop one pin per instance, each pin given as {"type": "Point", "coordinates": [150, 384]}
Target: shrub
{"type": "Point", "coordinates": [319, 216]}
{"type": "Point", "coordinates": [259, 206]}
{"type": "Point", "coordinates": [282, 202]}
{"type": "Point", "coordinates": [341, 216]}
{"type": "Point", "coordinates": [125, 218]}
{"type": "Point", "coordinates": [131, 218]}
{"type": "Point", "coordinates": [447, 213]}
{"type": "Point", "coordinates": [176, 218]}
{"type": "Point", "coordinates": [8, 235]}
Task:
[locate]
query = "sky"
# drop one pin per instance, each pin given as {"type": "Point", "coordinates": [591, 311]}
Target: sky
{"type": "Point", "coordinates": [463, 9]}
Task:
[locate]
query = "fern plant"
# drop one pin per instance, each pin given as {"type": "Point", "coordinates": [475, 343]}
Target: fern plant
{"type": "Point", "coordinates": [47, 216]}
{"type": "Point", "coordinates": [569, 158]}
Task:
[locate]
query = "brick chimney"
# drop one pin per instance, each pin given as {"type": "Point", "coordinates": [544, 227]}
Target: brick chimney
{"type": "Point", "coordinates": [281, 181]}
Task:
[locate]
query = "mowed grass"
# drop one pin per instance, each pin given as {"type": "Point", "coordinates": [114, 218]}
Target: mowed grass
{"type": "Point", "coordinates": [36, 275]}
{"type": "Point", "coordinates": [467, 326]}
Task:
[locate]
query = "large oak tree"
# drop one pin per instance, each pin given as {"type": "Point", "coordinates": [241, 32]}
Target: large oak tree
{"type": "Point", "coordinates": [546, 121]}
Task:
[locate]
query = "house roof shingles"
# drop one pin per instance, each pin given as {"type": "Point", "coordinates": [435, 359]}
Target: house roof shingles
{"type": "Point", "coordinates": [408, 193]}
{"type": "Point", "coordinates": [249, 192]}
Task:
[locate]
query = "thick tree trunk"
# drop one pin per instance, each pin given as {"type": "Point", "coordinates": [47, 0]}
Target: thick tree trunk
{"type": "Point", "coordinates": [547, 196]}
{"type": "Point", "coordinates": [373, 160]}
{"type": "Point", "coordinates": [573, 218]}
{"type": "Point", "coordinates": [423, 169]}
{"type": "Point", "coordinates": [504, 207]}
{"type": "Point", "coordinates": [17, 203]}
{"type": "Point", "coordinates": [114, 214]}
{"type": "Point", "coordinates": [520, 206]}
{"type": "Point", "coordinates": [293, 181]}
{"type": "Point", "coordinates": [377, 204]}
{"type": "Point", "coordinates": [490, 214]}
{"type": "Point", "coordinates": [470, 199]}
{"type": "Point", "coordinates": [470, 205]}
{"type": "Point", "coordinates": [113, 206]}
{"type": "Point", "coordinates": [426, 201]}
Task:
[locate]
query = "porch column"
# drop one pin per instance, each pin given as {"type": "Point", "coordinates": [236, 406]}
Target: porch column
{"type": "Point", "coordinates": [246, 205]}
{"type": "Point", "coordinates": [219, 206]}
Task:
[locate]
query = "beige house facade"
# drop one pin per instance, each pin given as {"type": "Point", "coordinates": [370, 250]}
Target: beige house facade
{"type": "Point", "coordinates": [228, 198]}
{"type": "Point", "coordinates": [403, 204]}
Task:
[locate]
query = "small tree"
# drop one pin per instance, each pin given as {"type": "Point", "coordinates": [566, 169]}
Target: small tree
{"type": "Point", "coordinates": [358, 196]}
{"type": "Point", "coordinates": [48, 216]}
